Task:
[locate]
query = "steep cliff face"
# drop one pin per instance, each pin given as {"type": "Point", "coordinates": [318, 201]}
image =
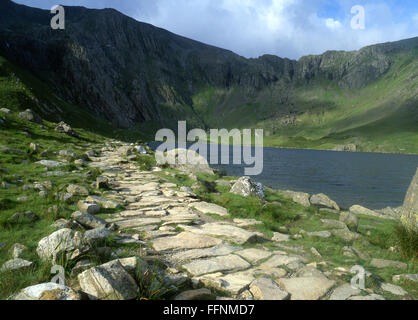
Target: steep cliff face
{"type": "Point", "coordinates": [130, 72]}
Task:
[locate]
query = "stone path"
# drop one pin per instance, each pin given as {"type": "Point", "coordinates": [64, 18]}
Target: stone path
{"type": "Point", "coordinates": [226, 257]}
{"type": "Point", "coordinates": [181, 233]}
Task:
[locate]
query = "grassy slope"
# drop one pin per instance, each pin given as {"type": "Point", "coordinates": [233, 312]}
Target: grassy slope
{"type": "Point", "coordinates": [381, 117]}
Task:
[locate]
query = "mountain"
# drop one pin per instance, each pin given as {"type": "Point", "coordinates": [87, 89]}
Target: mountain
{"type": "Point", "coordinates": [136, 76]}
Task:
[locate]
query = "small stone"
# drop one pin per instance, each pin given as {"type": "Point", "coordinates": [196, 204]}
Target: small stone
{"type": "Point", "coordinates": [408, 277]}
{"type": "Point", "coordinates": [280, 237]}
{"type": "Point", "coordinates": [31, 116]}
{"type": "Point", "coordinates": [88, 220]}
{"type": "Point", "coordinates": [381, 263]}
{"type": "Point", "coordinates": [16, 264]}
{"type": "Point", "coordinates": [17, 250]}
{"type": "Point", "coordinates": [62, 127]}
{"type": "Point", "coordinates": [50, 163]}
{"type": "Point", "coordinates": [89, 207]}
{"type": "Point", "coordinates": [320, 234]}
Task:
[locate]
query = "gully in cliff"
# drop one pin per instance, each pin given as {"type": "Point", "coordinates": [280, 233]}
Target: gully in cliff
{"type": "Point", "coordinates": [242, 149]}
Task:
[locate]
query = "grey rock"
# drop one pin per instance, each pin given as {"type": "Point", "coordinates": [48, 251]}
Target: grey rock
{"type": "Point", "coordinates": [298, 197]}
{"type": "Point", "coordinates": [109, 281]}
{"type": "Point", "coordinates": [16, 264]}
{"type": "Point", "coordinates": [267, 289]}
{"type": "Point", "coordinates": [368, 297]}
{"type": "Point", "coordinates": [409, 215]}
{"type": "Point", "coordinates": [89, 207]}
{"type": "Point", "coordinates": [97, 235]}
{"type": "Point", "coordinates": [17, 250]}
{"type": "Point", "coordinates": [320, 234]}
{"type": "Point", "coordinates": [88, 220]}
{"type": "Point", "coordinates": [216, 264]}
{"type": "Point", "coordinates": [306, 288]}
{"type": "Point", "coordinates": [62, 127]}
{"type": "Point", "coordinates": [333, 223]}
{"type": "Point", "coordinates": [323, 201]}
{"type": "Point", "coordinates": [408, 277]}
{"type": "Point", "coordinates": [80, 267]}
{"type": "Point", "coordinates": [64, 241]}
{"type": "Point", "coordinates": [381, 263]}
{"type": "Point", "coordinates": [77, 190]}
{"type": "Point", "coordinates": [47, 291]}
{"type": "Point", "coordinates": [350, 219]}
{"type": "Point", "coordinates": [246, 187]}
{"type": "Point", "coordinates": [346, 235]}
{"type": "Point", "coordinates": [344, 292]}
{"type": "Point", "coordinates": [391, 288]}
{"type": "Point", "coordinates": [31, 116]}
{"type": "Point", "coordinates": [50, 163]}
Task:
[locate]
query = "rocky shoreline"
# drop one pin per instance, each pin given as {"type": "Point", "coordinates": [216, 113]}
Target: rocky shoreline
{"type": "Point", "coordinates": [191, 248]}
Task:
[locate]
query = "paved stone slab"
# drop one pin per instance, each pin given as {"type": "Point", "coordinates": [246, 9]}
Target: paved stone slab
{"type": "Point", "coordinates": [206, 207]}
{"type": "Point", "coordinates": [132, 223]}
{"type": "Point", "coordinates": [216, 264]}
{"type": "Point", "coordinates": [254, 255]}
{"type": "Point", "coordinates": [185, 240]}
{"type": "Point", "coordinates": [306, 288]}
{"type": "Point", "coordinates": [267, 289]}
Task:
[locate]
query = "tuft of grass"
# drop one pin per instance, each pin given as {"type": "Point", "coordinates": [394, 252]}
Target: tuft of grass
{"type": "Point", "coordinates": [407, 242]}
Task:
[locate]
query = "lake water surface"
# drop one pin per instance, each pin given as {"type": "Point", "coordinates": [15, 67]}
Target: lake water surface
{"type": "Point", "coordinates": [372, 180]}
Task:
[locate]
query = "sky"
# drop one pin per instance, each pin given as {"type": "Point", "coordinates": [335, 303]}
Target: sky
{"type": "Point", "coordinates": [286, 28]}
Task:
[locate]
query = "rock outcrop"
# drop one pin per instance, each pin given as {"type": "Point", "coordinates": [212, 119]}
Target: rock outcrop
{"type": "Point", "coordinates": [409, 216]}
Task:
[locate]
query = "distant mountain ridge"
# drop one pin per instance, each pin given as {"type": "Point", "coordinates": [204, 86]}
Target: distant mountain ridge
{"type": "Point", "coordinates": [132, 73]}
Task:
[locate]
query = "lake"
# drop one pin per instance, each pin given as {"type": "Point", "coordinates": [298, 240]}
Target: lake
{"type": "Point", "coordinates": [372, 180]}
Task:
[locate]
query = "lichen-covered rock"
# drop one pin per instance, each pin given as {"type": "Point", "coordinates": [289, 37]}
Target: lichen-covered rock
{"type": "Point", "coordinates": [16, 264]}
{"type": "Point", "coordinates": [246, 187]}
{"type": "Point", "coordinates": [323, 201]}
{"type": "Point", "coordinates": [350, 220]}
{"type": "Point", "coordinates": [89, 207]}
{"type": "Point", "coordinates": [409, 215]}
{"type": "Point", "coordinates": [88, 220]}
{"type": "Point", "coordinates": [47, 291]}
{"type": "Point", "coordinates": [62, 127]}
{"type": "Point", "coordinates": [192, 163]}
{"type": "Point", "coordinates": [298, 197]}
{"type": "Point", "coordinates": [65, 241]}
{"type": "Point", "coordinates": [109, 281]}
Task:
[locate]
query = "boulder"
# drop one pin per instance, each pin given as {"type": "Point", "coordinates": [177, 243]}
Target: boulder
{"type": "Point", "coordinates": [109, 281]}
{"type": "Point", "coordinates": [346, 235]}
{"type": "Point", "coordinates": [391, 288]}
{"type": "Point", "coordinates": [88, 220]}
{"type": "Point", "coordinates": [344, 292]}
{"type": "Point", "coordinates": [356, 209]}
{"type": "Point", "coordinates": [280, 237]}
{"type": "Point", "coordinates": [89, 207]}
{"type": "Point", "coordinates": [65, 241]}
{"type": "Point", "coordinates": [409, 216]}
{"type": "Point", "coordinates": [62, 127]}
{"type": "Point", "coordinates": [246, 187]}
{"type": "Point", "coordinates": [350, 220]}
{"type": "Point", "coordinates": [298, 197]}
{"type": "Point", "coordinates": [323, 201]}
{"type": "Point", "coordinates": [47, 291]}
{"type": "Point", "coordinates": [194, 163]}
{"type": "Point", "coordinates": [30, 116]}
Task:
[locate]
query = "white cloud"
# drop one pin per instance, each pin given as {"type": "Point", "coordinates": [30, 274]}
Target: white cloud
{"type": "Point", "coordinates": [332, 24]}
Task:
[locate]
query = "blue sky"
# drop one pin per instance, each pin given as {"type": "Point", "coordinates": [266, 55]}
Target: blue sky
{"type": "Point", "coordinates": [287, 28]}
